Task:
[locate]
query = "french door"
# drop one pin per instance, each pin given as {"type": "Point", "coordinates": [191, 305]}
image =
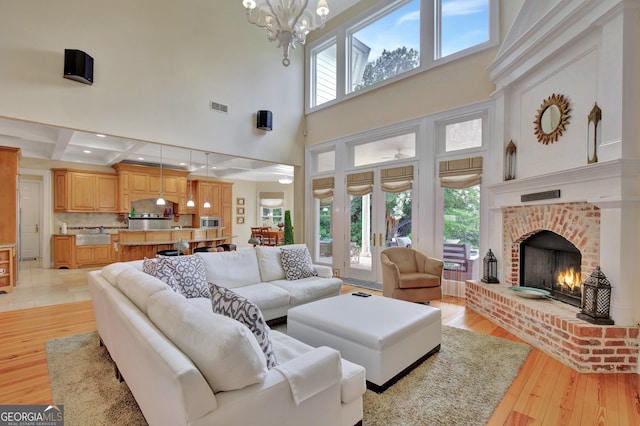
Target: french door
{"type": "Point", "coordinates": [379, 217]}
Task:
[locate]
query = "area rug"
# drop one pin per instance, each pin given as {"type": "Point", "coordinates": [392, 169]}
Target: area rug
{"type": "Point", "coordinates": [460, 385]}
{"type": "Point", "coordinates": [362, 283]}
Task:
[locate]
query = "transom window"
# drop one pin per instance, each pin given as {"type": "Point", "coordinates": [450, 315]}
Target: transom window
{"type": "Point", "coordinates": [392, 41]}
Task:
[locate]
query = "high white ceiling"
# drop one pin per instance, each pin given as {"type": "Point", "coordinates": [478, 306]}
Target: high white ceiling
{"type": "Point", "coordinates": [53, 143]}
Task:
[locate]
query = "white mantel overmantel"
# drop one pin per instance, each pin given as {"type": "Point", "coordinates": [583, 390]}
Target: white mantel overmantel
{"type": "Point", "coordinates": [542, 29]}
{"type": "Point", "coordinates": [613, 187]}
{"type": "Point", "coordinates": [614, 181]}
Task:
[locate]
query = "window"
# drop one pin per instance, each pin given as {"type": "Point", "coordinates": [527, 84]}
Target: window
{"type": "Point", "coordinates": [389, 149]}
{"type": "Point", "coordinates": [462, 25]}
{"type": "Point", "coordinates": [323, 161]}
{"type": "Point", "coordinates": [386, 46]}
{"type": "Point", "coordinates": [271, 217]}
{"type": "Point", "coordinates": [271, 208]}
{"type": "Point", "coordinates": [392, 41]}
{"type": "Point", "coordinates": [463, 135]}
{"type": "Point", "coordinates": [324, 73]}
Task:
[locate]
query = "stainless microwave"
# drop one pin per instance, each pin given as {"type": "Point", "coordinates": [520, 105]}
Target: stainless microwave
{"type": "Point", "coordinates": [210, 222]}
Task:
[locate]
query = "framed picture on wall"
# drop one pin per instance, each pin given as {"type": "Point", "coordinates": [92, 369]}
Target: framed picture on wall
{"type": "Point", "coordinates": [239, 210]}
{"type": "Point", "coordinates": [240, 220]}
{"type": "Point", "coordinates": [240, 201]}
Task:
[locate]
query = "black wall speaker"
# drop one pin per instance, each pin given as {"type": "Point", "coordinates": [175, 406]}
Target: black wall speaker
{"type": "Point", "coordinates": [265, 120]}
{"type": "Point", "coordinates": [78, 66]}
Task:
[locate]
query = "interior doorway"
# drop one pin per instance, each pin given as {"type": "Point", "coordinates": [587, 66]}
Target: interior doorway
{"type": "Point", "coordinates": [30, 219]}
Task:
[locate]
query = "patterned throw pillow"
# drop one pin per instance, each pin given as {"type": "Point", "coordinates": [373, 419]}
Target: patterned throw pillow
{"type": "Point", "coordinates": [164, 274]}
{"type": "Point", "coordinates": [228, 303]}
{"type": "Point", "coordinates": [297, 263]}
{"type": "Point", "coordinates": [189, 273]}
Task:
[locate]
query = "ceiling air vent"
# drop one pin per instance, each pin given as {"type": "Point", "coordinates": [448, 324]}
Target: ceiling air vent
{"type": "Point", "coordinates": [215, 106]}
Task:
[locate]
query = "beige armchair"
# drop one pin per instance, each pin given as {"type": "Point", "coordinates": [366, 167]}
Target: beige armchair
{"type": "Point", "coordinates": [409, 275]}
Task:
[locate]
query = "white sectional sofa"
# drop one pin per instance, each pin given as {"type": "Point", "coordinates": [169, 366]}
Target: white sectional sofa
{"type": "Point", "coordinates": [187, 365]}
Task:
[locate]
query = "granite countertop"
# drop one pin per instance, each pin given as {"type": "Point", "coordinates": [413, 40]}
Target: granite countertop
{"type": "Point", "coordinates": [157, 243]}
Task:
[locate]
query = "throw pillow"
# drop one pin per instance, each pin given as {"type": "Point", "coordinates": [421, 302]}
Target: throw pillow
{"type": "Point", "coordinates": [189, 273]}
{"type": "Point", "coordinates": [231, 304]}
{"type": "Point", "coordinates": [297, 263]}
{"type": "Point", "coordinates": [164, 274]}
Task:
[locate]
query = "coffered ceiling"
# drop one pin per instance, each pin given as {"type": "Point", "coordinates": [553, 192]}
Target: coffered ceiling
{"type": "Point", "coordinates": [53, 143]}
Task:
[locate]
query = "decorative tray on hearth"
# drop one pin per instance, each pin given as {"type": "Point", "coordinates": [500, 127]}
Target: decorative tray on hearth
{"type": "Point", "coordinates": [530, 292]}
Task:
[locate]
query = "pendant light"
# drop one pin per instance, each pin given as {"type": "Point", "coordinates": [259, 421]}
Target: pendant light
{"type": "Point", "coordinates": [190, 203]}
{"type": "Point", "coordinates": [207, 204]}
{"type": "Point", "coordinates": [160, 201]}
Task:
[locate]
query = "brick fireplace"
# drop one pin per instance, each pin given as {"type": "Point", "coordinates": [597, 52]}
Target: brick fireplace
{"type": "Point", "coordinates": [548, 324]}
{"type": "Point", "coordinates": [588, 216]}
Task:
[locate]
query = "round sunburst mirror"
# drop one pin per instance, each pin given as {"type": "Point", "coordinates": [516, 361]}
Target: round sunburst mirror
{"type": "Point", "coordinates": [551, 119]}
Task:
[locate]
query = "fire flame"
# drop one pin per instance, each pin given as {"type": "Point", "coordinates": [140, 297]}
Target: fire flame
{"type": "Point", "coordinates": [569, 278]}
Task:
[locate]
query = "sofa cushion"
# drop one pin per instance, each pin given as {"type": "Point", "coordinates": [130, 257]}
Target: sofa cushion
{"type": "Point", "coordinates": [297, 263]}
{"type": "Point", "coordinates": [270, 262]}
{"type": "Point", "coordinates": [309, 289]}
{"type": "Point", "coordinates": [228, 303]}
{"type": "Point", "coordinates": [225, 351]}
{"type": "Point", "coordinates": [164, 273]}
{"type": "Point", "coordinates": [232, 268]}
{"type": "Point", "coordinates": [139, 286]}
{"type": "Point", "coordinates": [265, 295]}
{"type": "Point", "coordinates": [189, 273]}
{"type": "Point", "coordinates": [111, 272]}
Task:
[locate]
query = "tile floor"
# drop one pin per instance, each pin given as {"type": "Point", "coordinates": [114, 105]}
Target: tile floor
{"type": "Point", "coordinates": [42, 287]}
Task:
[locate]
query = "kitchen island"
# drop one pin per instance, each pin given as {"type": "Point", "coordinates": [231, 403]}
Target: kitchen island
{"type": "Point", "coordinates": [136, 245]}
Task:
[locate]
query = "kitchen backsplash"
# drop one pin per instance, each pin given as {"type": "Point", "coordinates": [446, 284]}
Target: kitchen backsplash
{"type": "Point", "coordinates": [76, 222]}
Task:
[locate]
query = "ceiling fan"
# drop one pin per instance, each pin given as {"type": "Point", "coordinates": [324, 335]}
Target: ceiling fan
{"type": "Point", "coordinates": [398, 155]}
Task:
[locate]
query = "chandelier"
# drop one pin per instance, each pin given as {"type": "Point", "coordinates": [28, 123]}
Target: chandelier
{"type": "Point", "coordinates": [287, 21]}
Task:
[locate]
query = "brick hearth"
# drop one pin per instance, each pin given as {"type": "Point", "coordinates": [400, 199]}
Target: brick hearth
{"type": "Point", "coordinates": [552, 327]}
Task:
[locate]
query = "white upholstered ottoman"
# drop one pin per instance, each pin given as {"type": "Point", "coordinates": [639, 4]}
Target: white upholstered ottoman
{"type": "Point", "coordinates": [388, 337]}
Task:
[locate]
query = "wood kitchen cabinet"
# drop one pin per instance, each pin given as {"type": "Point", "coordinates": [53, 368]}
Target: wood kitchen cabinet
{"type": "Point", "coordinates": [8, 267]}
{"type": "Point", "coordinates": [93, 255]}
{"type": "Point", "coordinates": [220, 196]}
{"type": "Point", "coordinates": [140, 182]}
{"type": "Point", "coordinates": [64, 251]}
{"type": "Point", "coordinates": [82, 191]}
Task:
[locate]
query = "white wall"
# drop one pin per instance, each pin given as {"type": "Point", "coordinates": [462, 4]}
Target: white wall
{"type": "Point", "coordinates": [158, 63]}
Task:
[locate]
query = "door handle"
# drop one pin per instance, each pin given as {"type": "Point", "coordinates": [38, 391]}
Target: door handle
{"type": "Point", "coordinates": [380, 239]}
{"type": "Point", "coordinates": [37, 228]}
{"type": "Point", "coordinates": [374, 240]}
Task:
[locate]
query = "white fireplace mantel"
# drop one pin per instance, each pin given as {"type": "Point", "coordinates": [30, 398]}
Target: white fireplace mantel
{"type": "Point", "coordinates": [607, 182]}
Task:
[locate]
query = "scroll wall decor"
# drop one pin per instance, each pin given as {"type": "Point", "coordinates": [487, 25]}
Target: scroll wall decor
{"type": "Point", "coordinates": [551, 119]}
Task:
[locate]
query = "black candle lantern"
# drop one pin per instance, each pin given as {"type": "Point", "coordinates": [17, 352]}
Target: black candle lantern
{"type": "Point", "coordinates": [596, 299]}
{"type": "Point", "coordinates": [490, 268]}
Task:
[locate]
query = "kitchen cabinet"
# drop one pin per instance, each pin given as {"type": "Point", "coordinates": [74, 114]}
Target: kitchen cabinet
{"type": "Point", "coordinates": [64, 251]}
{"type": "Point", "coordinates": [8, 267]}
{"type": "Point", "coordinates": [220, 196]}
{"type": "Point", "coordinates": [9, 158]}
{"type": "Point", "coordinates": [82, 191]}
{"type": "Point", "coordinates": [92, 255]}
{"type": "Point", "coordinates": [68, 255]}
{"type": "Point", "coordinates": [141, 182]}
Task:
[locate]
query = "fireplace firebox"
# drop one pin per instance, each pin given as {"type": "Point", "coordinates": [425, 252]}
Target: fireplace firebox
{"type": "Point", "coordinates": [551, 262]}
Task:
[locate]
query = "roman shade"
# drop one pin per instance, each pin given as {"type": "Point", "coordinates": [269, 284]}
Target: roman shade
{"type": "Point", "coordinates": [397, 179]}
{"type": "Point", "coordinates": [322, 188]}
{"type": "Point", "coordinates": [461, 173]}
{"type": "Point", "coordinates": [360, 184]}
{"type": "Point", "coordinates": [271, 199]}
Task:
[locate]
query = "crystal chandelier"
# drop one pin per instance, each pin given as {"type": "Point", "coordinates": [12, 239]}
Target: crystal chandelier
{"type": "Point", "coordinates": [287, 21]}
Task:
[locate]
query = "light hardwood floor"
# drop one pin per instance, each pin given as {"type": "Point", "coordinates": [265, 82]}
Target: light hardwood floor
{"type": "Point", "coordinates": [545, 392]}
